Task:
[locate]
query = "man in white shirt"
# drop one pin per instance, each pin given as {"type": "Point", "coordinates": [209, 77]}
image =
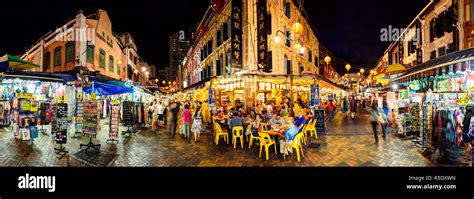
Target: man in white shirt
{"type": "Point", "coordinates": [160, 110]}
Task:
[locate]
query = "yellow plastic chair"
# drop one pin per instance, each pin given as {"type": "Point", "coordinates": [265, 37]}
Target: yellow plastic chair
{"type": "Point", "coordinates": [238, 132]}
{"type": "Point", "coordinates": [311, 127]}
{"type": "Point", "coordinates": [219, 132]}
{"type": "Point", "coordinates": [266, 141]}
{"type": "Point", "coordinates": [252, 138]}
{"type": "Point", "coordinates": [305, 131]}
{"type": "Point", "coordinates": [296, 144]}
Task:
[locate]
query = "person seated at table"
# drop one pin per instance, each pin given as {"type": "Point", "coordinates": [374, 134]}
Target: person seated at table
{"type": "Point", "coordinates": [278, 120]}
{"type": "Point", "coordinates": [236, 121]}
{"type": "Point", "coordinates": [300, 121]}
{"type": "Point", "coordinates": [290, 133]}
{"type": "Point", "coordinates": [256, 125]}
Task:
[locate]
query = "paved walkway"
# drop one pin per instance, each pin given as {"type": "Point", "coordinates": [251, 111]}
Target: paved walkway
{"type": "Point", "coordinates": [347, 143]}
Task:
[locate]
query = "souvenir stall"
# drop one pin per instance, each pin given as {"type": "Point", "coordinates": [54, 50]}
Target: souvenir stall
{"type": "Point", "coordinates": [437, 95]}
{"type": "Point", "coordinates": [25, 110]}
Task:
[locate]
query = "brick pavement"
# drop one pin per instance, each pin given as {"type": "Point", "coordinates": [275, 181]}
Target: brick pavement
{"type": "Point", "coordinates": [347, 143]}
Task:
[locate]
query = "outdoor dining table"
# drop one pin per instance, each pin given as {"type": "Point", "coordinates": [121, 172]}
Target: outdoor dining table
{"type": "Point", "coordinates": [275, 132]}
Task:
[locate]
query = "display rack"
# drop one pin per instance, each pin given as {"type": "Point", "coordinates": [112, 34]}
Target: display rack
{"type": "Point", "coordinates": [427, 127]}
{"type": "Point", "coordinates": [24, 118]}
{"type": "Point", "coordinates": [91, 123]}
{"type": "Point", "coordinates": [79, 117]}
{"type": "Point", "coordinates": [60, 126]}
{"type": "Point", "coordinates": [114, 123]}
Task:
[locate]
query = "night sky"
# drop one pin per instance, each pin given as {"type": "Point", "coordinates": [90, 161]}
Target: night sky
{"type": "Point", "coordinates": [351, 29]}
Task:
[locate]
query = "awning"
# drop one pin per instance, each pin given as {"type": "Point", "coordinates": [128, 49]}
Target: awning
{"type": "Point", "coordinates": [105, 87]}
{"type": "Point", "coordinates": [379, 76]}
{"type": "Point", "coordinates": [452, 58]}
{"type": "Point", "coordinates": [10, 62]}
{"type": "Point", "coordinates": [394, 69]}
{"type": "Point", "coordinates": [48, 77]}
{"type": "Point", "coordinates": [384, 80]}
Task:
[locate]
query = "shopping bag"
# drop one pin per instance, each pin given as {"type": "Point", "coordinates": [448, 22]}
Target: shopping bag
{"type": "Point", "coordinates": [181, 130]}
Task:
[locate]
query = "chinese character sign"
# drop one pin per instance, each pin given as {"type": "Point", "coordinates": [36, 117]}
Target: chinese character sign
{"type": "Point", "coordinates": [212, 99]}
{"type": "Point", "coordinates": [236, 33]}
{"type": "Point", "coordinates": [262, 34]}
{"type": "Point", "coordinates": [315, 101]}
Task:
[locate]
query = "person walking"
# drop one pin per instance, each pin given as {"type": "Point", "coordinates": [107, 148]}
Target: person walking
{"type": "Point", "coordinates": [383, 122]}
{"type": "Point", "coordinates": [160, 112]}
{"type": "Point", "coordinates": [345, 105]}
{"type": "Point", "coordinates": [375, 120]}
{"type": "Point", "coordinates": [197, 124]}
{"type": "Point", "coordinates": [466, 124]}
{"type": "Point", "coordinates": [186, 114]}
{"type": "Point", "coordinates": [353, 104]}
{"type": "Point", "coordinates": [331, 110]}
{"type": "Point", "coordinates": [174, 109]}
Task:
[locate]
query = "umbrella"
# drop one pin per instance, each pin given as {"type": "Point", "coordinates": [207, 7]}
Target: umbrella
{"type": "Point", "coordinates": [394, 69]}
{"type": "Point", "coordinates": [15, 63]}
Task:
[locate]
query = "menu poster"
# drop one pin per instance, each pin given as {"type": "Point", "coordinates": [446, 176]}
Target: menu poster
{"type": "Point", "coordinates": [114, 122]}
{"type": "Point", "coordinates": [127, 113]}
{"type": "Point", "coordinates": [320, 123]}
{"type": "Point", "coordinates": [61, 123]}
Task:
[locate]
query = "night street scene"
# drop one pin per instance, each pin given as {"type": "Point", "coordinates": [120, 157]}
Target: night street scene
{"type": "Point", "coordinates": [237, 83]}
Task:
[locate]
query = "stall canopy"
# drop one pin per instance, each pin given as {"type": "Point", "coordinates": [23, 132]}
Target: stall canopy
{"type": "Point", "coordinates": [105, 87]}
{"type": "Point", "coordinates": [10, 62]}
{"type": "Point", "coordinates": [48, 77]}
{"type": "Point", "coordinates": [394, 69]}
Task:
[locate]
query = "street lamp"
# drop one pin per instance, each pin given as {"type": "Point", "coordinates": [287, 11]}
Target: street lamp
{"type": "Point", "coordinates": [362, 71]}
{"type": "Point", "coordinates": [147, 73]}
{"type": "Point", "coordinates": [143, 69]}
{"type": "Point", "coordinates": [327, 59]}
{"type": "Point", "coordinates": [277, 40]}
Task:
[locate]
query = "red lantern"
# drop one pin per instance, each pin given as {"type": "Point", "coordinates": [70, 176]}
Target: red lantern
{"type": "Point", "coordinates": [217, 5]}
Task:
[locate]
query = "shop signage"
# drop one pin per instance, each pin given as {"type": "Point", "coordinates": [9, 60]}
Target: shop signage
{"type": "Point", "coordinates": [61, 99]}
{"type": "Point", "coordinates": [315, 101]}
{"type": "Point", "coordinates": [236, 33]}
{"type": "Point", "coordinates": [34, 107]}
{"type": "Point", "coordinates": [93, 96]}
{"type": "Point", "coordinates": [79, 96]}
{"type": "Point", "coordinates": [212, 99]}
{"type": "Point", "coordinates": [262, 35]}
{"type": "Point", "coordinates": [25, 96]}
{"type": "Point", "coordinates": [25, 105]}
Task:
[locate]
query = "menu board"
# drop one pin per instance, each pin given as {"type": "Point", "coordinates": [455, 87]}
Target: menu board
{"type": "Point", "coordinates": [320, 123]}
{"type": "Point", "coordinates": [60, 123]}
{"type": "Point", "coordinates": [127, 113]}
{"type": "Point", "coordinates": [91, 117]}
{"type": "Point", "coordinates": [114, 122]}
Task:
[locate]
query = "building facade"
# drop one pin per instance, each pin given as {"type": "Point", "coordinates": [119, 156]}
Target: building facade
{"type": "Point", "coordinates": [240, 44]}
{"type": "Point", "coordinates": [179, 43]}
{"type": "Point", "coordinates": [90, 42]}
{"type": "Point", "coordinates": [441, 28]}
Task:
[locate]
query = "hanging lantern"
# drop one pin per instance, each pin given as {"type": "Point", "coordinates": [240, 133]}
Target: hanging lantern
{"type": "Point", "coordinates": [297, 28]}
{"type": "Point", "coordinates": [348, 67]}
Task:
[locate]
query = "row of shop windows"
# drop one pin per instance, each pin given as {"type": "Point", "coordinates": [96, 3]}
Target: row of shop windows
{"type": "Point", "coordinates": [444, 23]}
{"type": "Point", "coordinates": [70, 57]}
{"type": "Point", "coordinates": [222, 35]}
